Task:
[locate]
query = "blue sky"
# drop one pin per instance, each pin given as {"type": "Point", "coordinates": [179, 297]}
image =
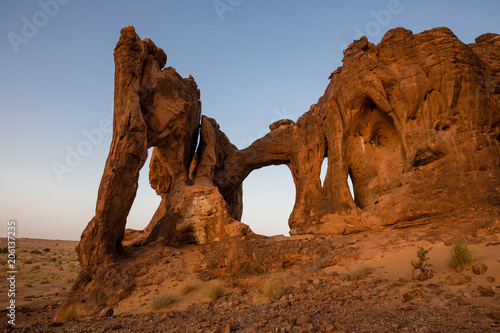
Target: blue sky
{"type": "Point", "coordinates": [254, 61]}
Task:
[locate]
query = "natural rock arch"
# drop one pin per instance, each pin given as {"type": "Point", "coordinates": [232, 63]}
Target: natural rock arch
{"type": "Point", "coordinates": [378, 122]}
{"type": "Point", "coordinates": [415, 120]}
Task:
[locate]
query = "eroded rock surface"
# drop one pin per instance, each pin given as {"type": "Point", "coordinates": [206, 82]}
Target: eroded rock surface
{"type": "Point", "coordinates": [414, 121]}
{"type": "Point", "coordinates": [417, 120]}
{"type": "Point", "coordinates": [157, 107]}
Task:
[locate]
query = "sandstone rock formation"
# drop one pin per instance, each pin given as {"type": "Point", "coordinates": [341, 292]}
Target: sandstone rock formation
{"type": "Point", "coordinates": [156, 107]}
{"type": "Point", "coordinates": [414, 121]}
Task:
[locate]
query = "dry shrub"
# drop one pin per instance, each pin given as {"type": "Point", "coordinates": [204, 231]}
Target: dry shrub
{"type": "Point", "coordinates": [71, 314]}
{"type": "Point", "coordinates": [358, 273]}
{"type": "Point", "coordinates": [422, 258]}
{"type": "Point", "coordinates": [161, 301]}
{"type": "Point", "coordinates": [188, 287]}
{"type": "Point", "coordinates": [461, 255]}
{"type": "Point", "coordinates": [272, 289]}
{"type": "Point", "coordinates": [215, 291]}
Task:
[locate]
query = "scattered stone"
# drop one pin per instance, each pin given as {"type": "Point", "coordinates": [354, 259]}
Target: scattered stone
{"type": "Point", "coordinates": [486, 291]}
{"type": "Point", "coordinates": [303, 320]}
{"type": "Point", "coordinates": [46, 250]}
{"type": "Point", "coordinates": [411, 295]}
{"type": "Point", "coordinates": [495, 315]}
{"type": "Point", "coordinates": [479, 268]}
{"type": "Point", "coordinates": [330, 328]}
{"type": "Point", "coordinates": [490, 279]}
{"type": "Point", "coordinates": [405, 307]}
{"type": "Point", "coordinates": [433, 286]}
{"type": "Point", "coordinates": [417, 274]}
{"type": "Point", "coordinates": [448, 296]}
{"type": "Point", "coordinates": [458, 279]}
{"type": "Point", "coordinates": [390, 329]}
{"type": "Point", "coordinates": [106, 312]}
{"type": "Point", "coordinates": [35, 252]}
{"type": "Point", "coordinates": [308, 327]}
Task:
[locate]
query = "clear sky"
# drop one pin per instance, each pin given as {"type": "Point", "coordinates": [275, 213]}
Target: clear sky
{"type": "Point", "coordinates": [254, 61]}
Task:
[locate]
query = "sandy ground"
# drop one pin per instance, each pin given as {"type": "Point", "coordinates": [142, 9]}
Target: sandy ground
{"type": "Point", "coordinates": [47, 268]}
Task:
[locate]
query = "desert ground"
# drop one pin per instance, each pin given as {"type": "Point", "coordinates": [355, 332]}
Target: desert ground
{"type": "Point", "coordinates": [369, 289]}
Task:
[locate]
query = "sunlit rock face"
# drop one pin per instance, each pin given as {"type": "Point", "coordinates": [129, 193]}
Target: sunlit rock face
{"type": "Point", "coordinates": [157, 107]}
{"type": "Point", "coordinates": [414, 121]}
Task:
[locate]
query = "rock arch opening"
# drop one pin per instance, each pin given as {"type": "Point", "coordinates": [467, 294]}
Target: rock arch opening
{"type": "Point", "coordinates": [268, 200]}
{"type": "Point", "coordinates": [351, 187]}
{"type": "Point", "coordinates": [146, 201]}
{"type": "Point", "coordinates": [324, 169]}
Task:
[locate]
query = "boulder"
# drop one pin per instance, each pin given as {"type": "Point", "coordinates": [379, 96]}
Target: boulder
{"type": "Point", "coordinates": [479, 268]}
{"type": "Point", "coordinates": [411, 295]}
{"type": "Point", "coordinates": [458, 279]}
{"type": "Point", "coordinates": [486, 291]}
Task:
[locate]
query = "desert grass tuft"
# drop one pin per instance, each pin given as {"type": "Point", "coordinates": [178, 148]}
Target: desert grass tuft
{"type": "Point", "coordinates": [215, 291]}
{"type": "Point", "coordinates": [272, 289]}
{"type": "Point", "coordinates": [188, 287]}
{"type": "Point", "coordinates": [161, 301]}
{"type": "Point", "coordinates": [71, 314]}
{"type": "Point", "coordinates": [461, 255]}
{"type": "Point", "coordinates": [356, 274]}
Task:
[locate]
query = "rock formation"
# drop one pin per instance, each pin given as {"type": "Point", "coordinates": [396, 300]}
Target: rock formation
{"type": "Point", "coordinates": [155, 107]}
{"type": "Point", "coordinates": [421, 130]}
{"type": "Point", "coordinates": [414, 121]}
